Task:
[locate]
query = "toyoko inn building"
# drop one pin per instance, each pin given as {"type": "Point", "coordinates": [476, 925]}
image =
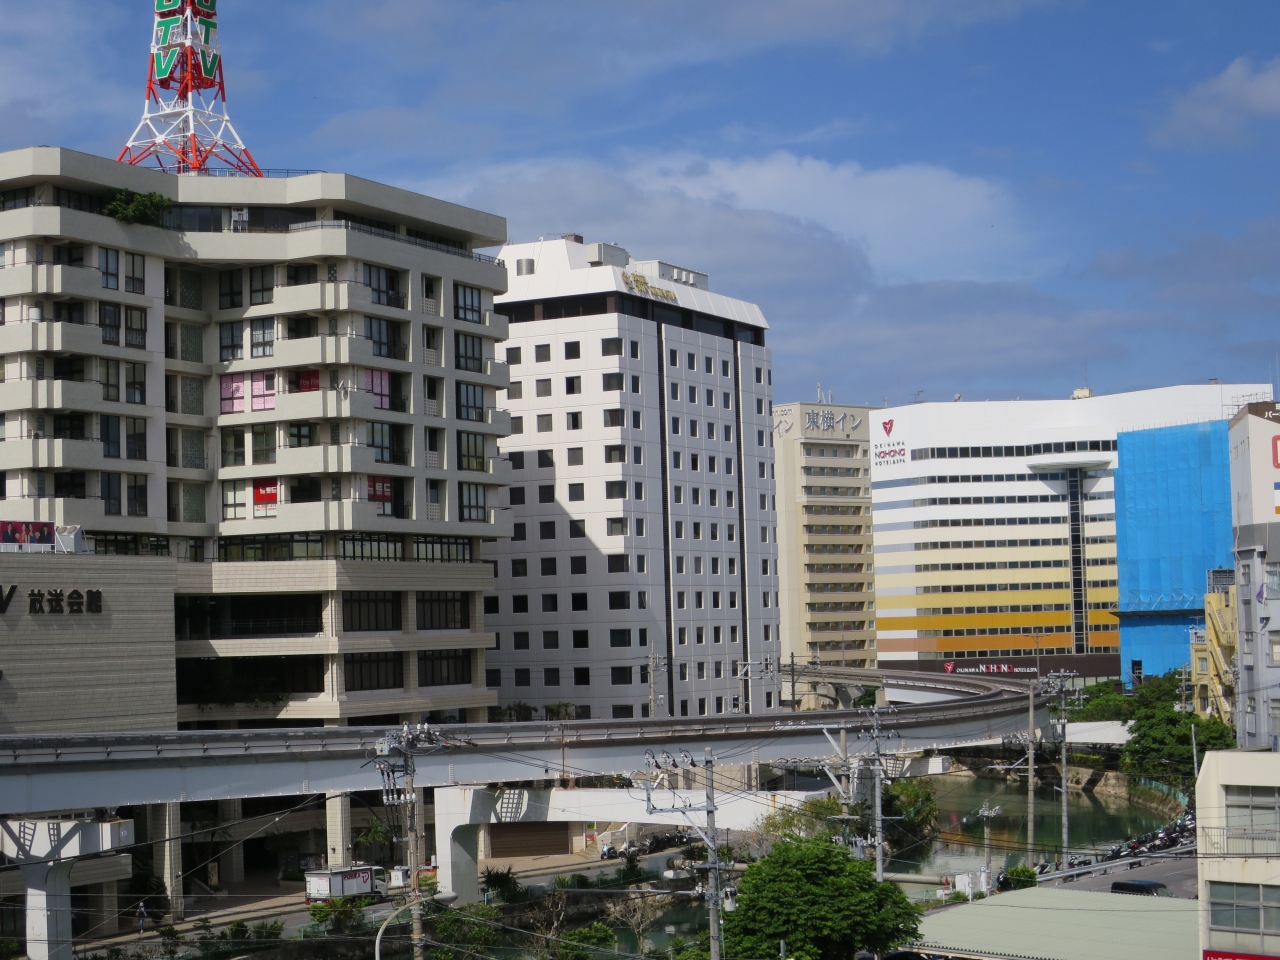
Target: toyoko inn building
{"type": "Point", "coordinates": [995, 526]}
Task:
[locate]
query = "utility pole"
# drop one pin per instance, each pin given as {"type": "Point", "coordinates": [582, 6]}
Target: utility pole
{"type": "Point", "coordinates": [653, 680]}
{"type": "Point", "coordinates": [1031, 774]}
{"type": "Point", "coordinates": [1195, 759]}
{"type": "Point", "coordinates": [411, 843]}
{"type": "Point", "coordinates": [844, 783]}
{"type": "Point", "coordinates": [879, 780]}
{"type": "Point", "coordinates": [1065, 834]}
{"type": "Point", "coordinates": [794, 706]}
{"type": "Point", "coordinates": [713, 856]}
{"type": "Point", "coordinates": [987, 812]}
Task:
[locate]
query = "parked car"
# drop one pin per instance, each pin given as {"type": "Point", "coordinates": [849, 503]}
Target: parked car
{"type": "Point", "coordinates": [1142, 888]}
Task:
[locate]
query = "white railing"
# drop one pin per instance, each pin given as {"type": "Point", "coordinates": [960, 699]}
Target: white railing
{"type": "Point", "coordinates": [1240, 841]}
{"type": "Point", "coordinates": [431, 308]}
{"type": "Point", "coordinates": [431, 357]}
{"type": "Point", "coordinates": [433, 460]}
{"type": "Point", "coordinates": [432, 510]}
{"type": "Point", "coordinates": [431, 408]}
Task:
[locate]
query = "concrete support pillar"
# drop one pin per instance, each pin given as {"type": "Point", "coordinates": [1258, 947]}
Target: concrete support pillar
{"type": "Point", "coordinates": [48, 910]}
{"type": "Point", "coordinates": [337, 808]}
{"type": "Point", "coordinates": [231, 860]}
{"type": "Point", "coordinates": [165, 831]}
{"type": "Point", "coordinates": [104, 908]}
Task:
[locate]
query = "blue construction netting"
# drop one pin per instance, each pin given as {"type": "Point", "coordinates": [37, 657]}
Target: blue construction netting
{"type": "Point", "coordinates": [1173, 523]}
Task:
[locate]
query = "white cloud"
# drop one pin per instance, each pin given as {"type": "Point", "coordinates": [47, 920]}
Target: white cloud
{"type": "Point", "coordinates": [1219, 111]}
{"type": "Point", "coordinates": [916, 221]}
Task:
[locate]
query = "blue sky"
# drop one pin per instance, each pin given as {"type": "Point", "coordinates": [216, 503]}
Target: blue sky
{"type": "Point", "coordinates": [996, 198]}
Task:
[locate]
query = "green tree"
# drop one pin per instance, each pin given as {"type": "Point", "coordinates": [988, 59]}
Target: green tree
{"type": "Point", "coordinates": [465, 931]}
{"type": "Point", "coordinates": [341, 914]}
{"type": "Point", "coordinates": [1160, 742]}
{"type": "Point", "coordinates": [910, 811]}
{"type": "Point", "coordinates": [826, 905]}
{"type": "Point", "coordinates": [144, 208]}
{"type": "Point", "coordinates": [585, 943]}
{"type": "Point", "coordinates": [1022, 876]}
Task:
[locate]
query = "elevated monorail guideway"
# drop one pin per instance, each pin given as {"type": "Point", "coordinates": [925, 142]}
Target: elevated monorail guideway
{"type": "Point", "coordinates": [45, 773]}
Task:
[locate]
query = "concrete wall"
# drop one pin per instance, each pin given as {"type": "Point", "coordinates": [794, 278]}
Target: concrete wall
{"type": "Point", "coordinates": [68, 673]}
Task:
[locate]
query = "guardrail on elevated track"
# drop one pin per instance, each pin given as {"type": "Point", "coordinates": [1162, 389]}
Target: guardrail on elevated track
{"type": "Point", "coordinates": [92, 770]}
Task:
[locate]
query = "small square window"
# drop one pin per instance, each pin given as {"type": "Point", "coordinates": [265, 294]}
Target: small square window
{"type": "Point", "coordinates": [575, 456]}
{"type": "Point", "coordinates": [550, 638]}
{"type": "Point", "coordinates": [546, 458]}
{"type": "Point", "coordinates": [577, 565]}
{"type": "Point", "coordinates": [577, 529]}
{"type": "Point", "coordinates": [582, 676]}
{"type": "Point", "coordinates": [547, 530]}
{"type": "Point", "coordinates": [517, 459]}
{"type": "Point", "coordinates": [635, 349]}
{"type": "Point", "coordinates": [611, 347]}
{"type": "Point", "coordinates": [577, 491]}
{"type": "Point", "coordinates": [513, 356]}
{"type": "Point", "coordinates": [551, 676]}
{"type": "Point", "coordinates": [519, 604]}
{"type": "Point", "coordinates": [572, 385]}
{"type": "Point", "coordinates": [493, 679]}
{"type": "Point", "coordinates": [520, 639]}
{"type": "Point", "coordinates": [547, 493]}
{"type": "Point", "coordinates": [616, 526]}
{"type": "Point", "coordinates": [519, 568]}
{"type": "Point", "coordinates": [573, 420]}
{"type": "Point", "coordinates": [578, 601]}
{"type": "Point", "coordinates": [522, 677]}
{"type": "Point", "coordinates": [580, 640]}
{"type": "Point", "coordinates": [619, 563]}
{"type": "Point", "coordinates": [516, 496]}
{"type": "Point", "coordinates": [544, 423]}
{"type": "Point", "coordinates": [542, 353]}
{"type": "Point", "coordinates": [550, 603]}
{"type": "Point", "coordinates": [542, 388]}
{"type": "Point", "coordinates": [518, 531]}
{"type": "Point", "coordinates": [548, 566]}
{"type": "Point", "coordinates": [573, 350]}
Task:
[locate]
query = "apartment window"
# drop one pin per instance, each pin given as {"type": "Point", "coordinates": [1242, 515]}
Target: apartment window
{"type": "Point", "coordinates": [109, 267]}
{"type": "Point", "coordinates": [470, 401]}
{"type": "Point", "coordinates": [305, 435]}
{"type": "Point", "coordinates": [615, 490]}
{"type": "Point", "coordinates": [613, 418]}
{"type": "Point", "coordinates": [262, 337]}
{"type": "Point", "coordinates": [109, 321]}
{"type": "Point", "coordinates": [547, 493]}
{"type": "Point", "coordinates": [261, 285]}
{"type": "Point", "coordinates": [619, 600]}
{"type": "Point", "coordinates": [577, 492]}
{"type": "Point", "coordinates": [615, 453]}
{"type": "Point", "coordinates": [135, 273]}
{"type": "Point", "coordinates": [1244, 906]}
{"type": "Point", "coordinates": [135, 327]}
{"type": "Point", "coordinates": [109, 428]}
{"type": "Point", "coordinates": [621, 676]}
{"type": "Point", "coordinates": [374, 671]}
{"type": "Point", "coordinates": [466, 303]}
{"type": "Point", "coordinates": [136, 495]}
{"type": "Point", "coordinates": [544, 423]}
{"type": "Point", "coordinates": [577, 566]}
{"type": "Point", "coordinates": [264, 443]}
{"type": "Point", "coordinates": [578, 602]}
{"type": "Point", "coordinates": [572, 385]}
{"type": "Point", "coordinates": [616, 526]}
{"type": "Point", "coordinates": [619, 563]}
{"type": "Point", "coordinates": [370, 610]}
{"type": "Point", "coordinates": [577, 529]}
{"type": "Point", "coordinates": [230, 341]}
{"type": "Point", "coordinates": [522, 677]}
{"type": "Point", "coordinates": [515, 496]}
{"type": "Point", "coordinates": [135, 438]}
{"type": "Point", "coordinates": [468, 353]}
{"type": "Point", "coordinates": [470, 451]}
{"type": "Point", "coordinates": [613, 381]}
{"type": "Point", "coordinates": [135, 383]}
{"type": "Point", "coordinates": [230, 289]}
{"type": "Point", "coordinates": [471, 503]}
{"type": "Point", "coordinates": [513, 356]}
{"type": "Point", "coordinates": [109, 490]}
{"type": "Point", "coordinates": [444, 610]}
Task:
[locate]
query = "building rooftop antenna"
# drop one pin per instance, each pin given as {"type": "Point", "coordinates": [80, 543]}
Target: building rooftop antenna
{"type": "Point", "coordinates": [185, 128]}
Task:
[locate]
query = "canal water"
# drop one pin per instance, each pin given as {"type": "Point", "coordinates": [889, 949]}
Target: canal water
{"type": "Point", "coordinates": [1094, 824]}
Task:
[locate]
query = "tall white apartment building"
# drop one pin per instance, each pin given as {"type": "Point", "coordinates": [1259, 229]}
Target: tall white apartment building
{"type": "Point", "coordinates": [641, 576]}
{"type": "Point", "coordinates": [287, 388]}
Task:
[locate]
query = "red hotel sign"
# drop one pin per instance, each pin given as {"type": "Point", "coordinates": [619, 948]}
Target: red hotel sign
{"type": "Point", "coordinates": [1236, 955]}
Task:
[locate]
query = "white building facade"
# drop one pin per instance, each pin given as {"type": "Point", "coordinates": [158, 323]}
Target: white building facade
{"type": "Point", "coordinates": [1012, 505]}
{"type": "Point", "coordinates": [641, 576]}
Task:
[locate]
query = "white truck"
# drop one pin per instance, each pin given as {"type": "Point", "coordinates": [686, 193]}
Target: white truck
{"type": "Point", "coordinates": [351, 881]}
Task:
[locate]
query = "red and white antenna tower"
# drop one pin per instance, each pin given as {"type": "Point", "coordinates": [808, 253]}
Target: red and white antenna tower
{"type": "Point", "coordinates": [185, 127]}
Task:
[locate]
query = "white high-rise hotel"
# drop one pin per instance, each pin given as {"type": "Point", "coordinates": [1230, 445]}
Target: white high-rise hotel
{"type": "Point", "coordinates": [641, 579]}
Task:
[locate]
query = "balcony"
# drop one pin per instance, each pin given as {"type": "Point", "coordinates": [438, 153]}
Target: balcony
{"type": "Point", "coordinates": [50, 395]}
{"type": "Point", "coordinates": [52, 454]}
{"type": "Point", "coordinates": [326, 350]}
{"type": "Point", "coordinates": [432, 358]}
{"type": "Point", "coordinates": [499, 470]}
{"type": "Point", "coordinates": [51, 337]}
{"type": "Point", "coordinates": [499, 370]}
{"type": "Point", "coordinates": [66, 512]}
{"type": "Point", "coordinates": [284, 627]}
{"type": "Point", "coordinates": [1239, 842]}
{"type": "Point", "coordinates": [431, 308]}
{"type": "Point", "coordinates": [61, 280]}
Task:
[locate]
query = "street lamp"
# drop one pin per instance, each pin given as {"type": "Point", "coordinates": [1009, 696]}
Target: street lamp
{"type": "Point", "coordinates": [444, 898]}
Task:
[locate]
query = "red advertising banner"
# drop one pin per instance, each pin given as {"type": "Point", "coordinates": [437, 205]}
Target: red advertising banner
{"type": "Point", "coordinates": [26, 531]}
{"type": "Point", "coordinates": [380, 489]}
{"type": "Point", "coordinates": [1236, 955]}
{"type": "Point", "coordinates": [266, 491]}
